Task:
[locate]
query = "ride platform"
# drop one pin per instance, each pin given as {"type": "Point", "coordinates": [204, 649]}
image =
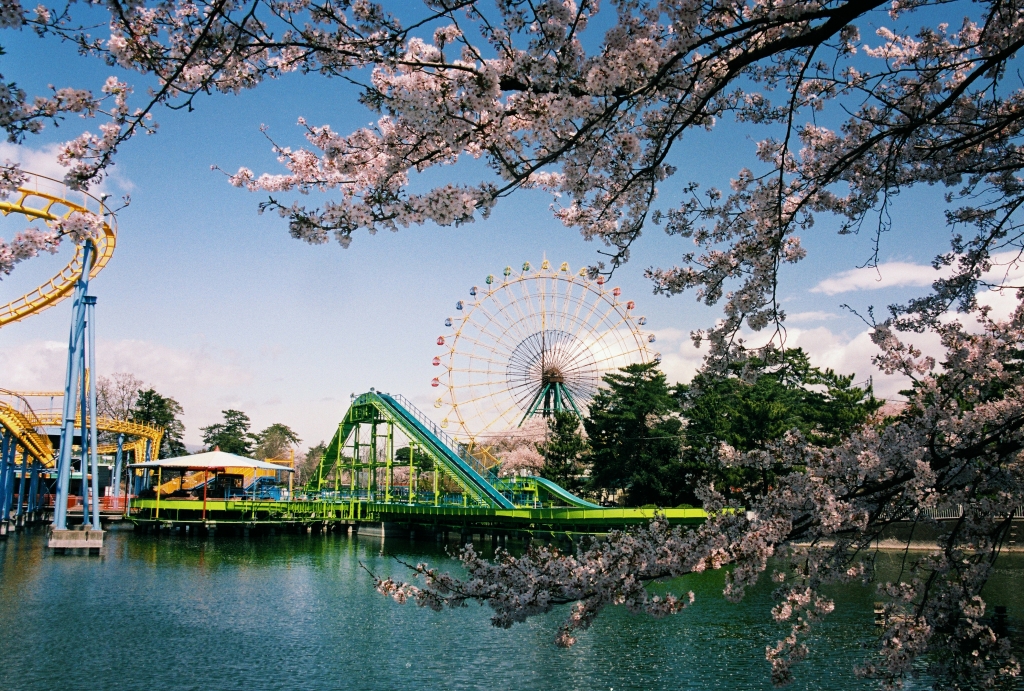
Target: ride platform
{"type": "Point", "coordinates": [331, 515]}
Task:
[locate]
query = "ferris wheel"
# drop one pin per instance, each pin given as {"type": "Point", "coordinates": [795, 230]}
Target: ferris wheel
{"type": "Point", "coordinates": [529, 344]}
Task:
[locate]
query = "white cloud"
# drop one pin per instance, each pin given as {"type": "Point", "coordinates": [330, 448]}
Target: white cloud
{"type": "Point", "coordinates": [802, 317]}
{"type": "Point", "coordinates": [204, 383]}
{"type": "Point", "coordinates": [827, 349]}
{"type": "Point", "coordinates": [1003, 301]}
{"type": "Point", "coordinates": [43, 161]}
{"type": "Point", "coordinates": [886, 275]}
{"type": "Point", "coordinates": [171, 369]}
{"type": "Point", "coordinates": [680, 359]}
{"type": "Point", "coordinates": [853, 355]}
{"type": "Point", "coordinates": [1007, 270]}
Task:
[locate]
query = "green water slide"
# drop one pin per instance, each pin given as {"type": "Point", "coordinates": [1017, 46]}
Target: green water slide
{"type": "Point", "coordinates": [452, 457]}
{"type": "Point", "coordinates": [566, 496]}
{"type": "Point", "coordinates": [477, 481]}
{"type": "Point", "coordinates": [449, 452]}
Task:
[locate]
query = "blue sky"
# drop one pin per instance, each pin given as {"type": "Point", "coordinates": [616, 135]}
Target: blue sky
{"type": "Point", "coordinates": [217, 306]}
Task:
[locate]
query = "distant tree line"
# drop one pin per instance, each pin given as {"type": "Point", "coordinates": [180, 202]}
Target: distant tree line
{"type": "Point", "coordinates": [645, 442]}
{"type": "Point", "coordinates": [123, 396]}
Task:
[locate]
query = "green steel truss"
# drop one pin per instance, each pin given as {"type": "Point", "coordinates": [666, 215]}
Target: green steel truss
{"type": "Point", "coordinates": [552, 397]}
{"type": "Point", "coordinates": [360, 463]}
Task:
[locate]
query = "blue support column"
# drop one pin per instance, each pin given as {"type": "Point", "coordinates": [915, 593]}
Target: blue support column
{"type": "Point", "coordinates": [33, 488]}
{"type": "Point", "coordinates": [90, 317]}
{"type": "Point", "coordinates": [6, 440]}
{"type": "Point", "coordinates": [7, 469]}
{"type": "Point", "coordinates": [11, 464]}
{"type": "Point", "coordinates": [83, 430]}
{"type": "Point", "coordinates": [115, 484]}
{"type": "Point", "coordinates": [21, 484]}
{"type": "Point", "coordinates": [147, 474]}
{"type": "Point", "coordinates": [67, 433]}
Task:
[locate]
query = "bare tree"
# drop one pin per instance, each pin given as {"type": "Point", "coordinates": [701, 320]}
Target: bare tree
{"type": "Point", "coordinates": [116, 395]}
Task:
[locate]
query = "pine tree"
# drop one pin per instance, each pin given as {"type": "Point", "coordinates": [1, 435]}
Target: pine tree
{"type": "Point", "coordinates": [161, 411]}
{"type": "Point", "coordinates": [564, 451]}
{"type": "Point", "coordinates": [230, 436]}
{"type": "Point", "coordinates": [634, 437]}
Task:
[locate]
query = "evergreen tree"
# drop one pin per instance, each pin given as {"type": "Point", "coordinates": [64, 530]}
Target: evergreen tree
{"type": "Point", "coordinates": [564, 451]}
{"type": "Point", "coordinates": [634, 437]}
{"type": "Point", "coordinates": [232, 435]}
{"type": "Point", "coordinates": [274, 441]}
{"type": "Point", "coordinates": [151, 408]}
{"type": "Point", "coordinates": [757, 402]}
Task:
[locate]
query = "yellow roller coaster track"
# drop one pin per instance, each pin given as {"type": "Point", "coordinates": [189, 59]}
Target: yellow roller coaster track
{"type": "Point", "coordinates": [17, 415]}
{"type": "Point", "coordinates": [24, 430]}
{"type": "Point", "coordinates": [48, 200]}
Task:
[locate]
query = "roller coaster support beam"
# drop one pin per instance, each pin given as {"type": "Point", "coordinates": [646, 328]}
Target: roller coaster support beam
{"type": "Point", "coordinates": [115, 483]}
{"type": "Point", "coordinates": [83, 463]}
{"type": "Point", "coordinates": [371, 480]}
{"type": "Point", "coordinates": [21, 510]}
{"type": "Point", "coordinates": [67, 433]}
{"type": "Point", "coordinates": [389, 461]}
{"type": "Point", "coordinates": [142, 479]}
{"type": "Point", "coordinates": [6, 437]}
{"type": "Point", "coordinates": [7, 450]}
{"type": "Point", "coordinates": [33, 489]}
{"type": "Point", "coordinates": [90, 304]}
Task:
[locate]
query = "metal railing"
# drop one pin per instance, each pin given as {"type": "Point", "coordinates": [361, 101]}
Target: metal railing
{"type": "Point", "coordinates": [958, 512]}
{"type": "Point", "coordinates": [948, 513]}
{"type": "Point", "coordinates": [459, 448]}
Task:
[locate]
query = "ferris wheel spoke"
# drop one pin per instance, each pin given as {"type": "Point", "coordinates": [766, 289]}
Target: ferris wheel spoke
{"type": "Point", "coordinates": [509, 305]}
{"type": "Point", "coordinates": [585, 323]}
{"type": "Point", "coordinates": [505, 414]}
{"type": "Point", "coordinates": [531, 331]}
{"type": "Point", "coordinates": [527, 299]}
{"type": "Point", "coordinates": [502, 320]}
{"type": "Point", "coordinates": [501, 382]}
{"type": "Point", "coordinates": [481, 397]}
{"type": "Point", "coordinates": [503, 311]}
{"type": "Point", "coordinates": [501, 365]}
{"type": "Point", "coordinates": [592, 327]}
{"type": "Point", "coordinates": [623, 356]}
{"type": "Point", "coordinates": [567, 299]}
{"type": "Point", "coordinates": [636, 336]}
{"type": "Point", "coordinates": [483, 345]}
{"type": "Point", "coordinates": [501, 327]}
{"type": "Point", "coordinates": [569, 348]}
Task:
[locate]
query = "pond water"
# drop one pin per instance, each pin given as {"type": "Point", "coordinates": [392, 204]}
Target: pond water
{"type": "Point", "coordinates": [298, 612]}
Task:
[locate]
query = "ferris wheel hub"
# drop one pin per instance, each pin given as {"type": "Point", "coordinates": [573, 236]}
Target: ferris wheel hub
{"type": "Point", "coordinates": [546, 358]}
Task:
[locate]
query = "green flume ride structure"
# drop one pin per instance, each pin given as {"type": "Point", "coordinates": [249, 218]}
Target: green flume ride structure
{"type": "Point", "coordinates": [355, 483]}
{"type": "Point", "coordinates": [480, 485]}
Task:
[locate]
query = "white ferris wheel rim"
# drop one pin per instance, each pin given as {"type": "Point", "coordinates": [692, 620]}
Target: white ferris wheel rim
{"type": "Point", "coordinates": [490, 368]}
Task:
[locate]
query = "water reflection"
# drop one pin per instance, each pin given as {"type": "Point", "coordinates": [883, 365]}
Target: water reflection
{"type": "Point", "coordinates": [291, 611]}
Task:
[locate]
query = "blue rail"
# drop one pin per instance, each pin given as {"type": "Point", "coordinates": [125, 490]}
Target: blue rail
{"type": "Point", "coordinates": [463, 452]}
{"type": "Point", "coordinates": [443, 445]}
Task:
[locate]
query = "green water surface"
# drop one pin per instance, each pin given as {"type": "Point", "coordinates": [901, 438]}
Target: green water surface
{"type": "Point", "coordinates": [298, 612]}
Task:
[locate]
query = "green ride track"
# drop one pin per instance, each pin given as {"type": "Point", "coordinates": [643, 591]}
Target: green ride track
{"type": "Point", "coordinates": [363, 478]}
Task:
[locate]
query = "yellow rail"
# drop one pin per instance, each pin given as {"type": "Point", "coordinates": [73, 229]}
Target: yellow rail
{"type": "Point", "coordinates": [49, 200]}
{"type": "Point", "coordinates": [17, 415]}
{"type": "Point", "coordinates": [23, 426]}
{"type": "Point", "coordinates": [189, 481]}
